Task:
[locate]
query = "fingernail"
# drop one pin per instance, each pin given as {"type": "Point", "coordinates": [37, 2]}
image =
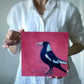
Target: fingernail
{"type": "Point", "coordinates": [5, 46]}
{"type": "Point", "coordinates": [67, 70]}
{"type": "Point", "coordinates": [56, 77]}
{"type": "Point", "coordinates": [50, 77]}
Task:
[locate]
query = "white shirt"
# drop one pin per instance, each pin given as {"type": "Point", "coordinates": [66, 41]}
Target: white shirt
{"type": "Point", "coordinates": [59, 16]}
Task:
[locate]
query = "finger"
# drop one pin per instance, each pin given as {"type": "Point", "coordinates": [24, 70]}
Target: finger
{"type": "Point", "coordinates": [21, 30]}
{"type": "Point", "coordinates": [55, 77]}
{"type": "Point", "coordinates": [52, 76]}
{"type": "Point", "coordinates": [5, 46]}
{"type": "Point", "coordinates": [67, 71]}
{"type": "Point", "coordinates": [13, 35]}
{"type": "Point", "coordinates": [68, 67]}
{"type": "Point", "coordinates": [16, 35]}
{"type": "Point", "coordinates": [11, 42]}
{"type": "Point", "coordinates": [58, 77]}
{"type": "Point", "coordinates": [9, 33]}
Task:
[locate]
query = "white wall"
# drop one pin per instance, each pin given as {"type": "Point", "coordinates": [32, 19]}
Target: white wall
{"type": "Point", "coordinates": [8, 63]}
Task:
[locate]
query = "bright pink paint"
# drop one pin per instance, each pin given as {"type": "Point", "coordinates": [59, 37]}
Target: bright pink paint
{"type": "Point", "coordinates": [32, 65]}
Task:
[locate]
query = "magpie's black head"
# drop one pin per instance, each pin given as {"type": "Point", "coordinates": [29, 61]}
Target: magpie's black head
{"type": "Point", "coordinates": [45, 43]}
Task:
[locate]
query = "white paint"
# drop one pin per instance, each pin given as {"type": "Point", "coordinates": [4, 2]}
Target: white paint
{"type": "Point", "coordinates": [40, 43]}
{"type": "Point", "coordinates": [48, 48]}
{"type": "Point", "coordinates": [47, 57]}
{"type": "Point", "coordinates": [62, 62]}
{"type": "Point", "coordinates": [54, 61]}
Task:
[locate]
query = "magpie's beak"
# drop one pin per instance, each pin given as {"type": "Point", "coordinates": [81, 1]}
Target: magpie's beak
{"type": "Point", "coordinates": [41, 43]}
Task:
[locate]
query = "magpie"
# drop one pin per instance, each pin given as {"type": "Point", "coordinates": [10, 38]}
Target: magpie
{"type": "Point", "coordinates": [49, 58]}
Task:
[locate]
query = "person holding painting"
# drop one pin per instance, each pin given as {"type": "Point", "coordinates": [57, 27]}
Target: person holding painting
{"type": "Point", "coordinates": [45, 16]}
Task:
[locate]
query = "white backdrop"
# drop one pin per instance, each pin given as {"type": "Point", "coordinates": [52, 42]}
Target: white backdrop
{"type": "Point", "coordinates": [8, 63]}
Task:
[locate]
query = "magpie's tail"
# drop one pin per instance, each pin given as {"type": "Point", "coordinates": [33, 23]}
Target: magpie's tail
{"type": "Point", "coordinates": [59, 67]}
{"type": "Point", "coordinates": [62, 62]}
{"type": "Point", "coordinates": [62, 69]}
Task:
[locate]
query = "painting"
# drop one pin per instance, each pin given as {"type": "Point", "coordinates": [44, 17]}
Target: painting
{"type": "Point", "coordinates": [44, 53]}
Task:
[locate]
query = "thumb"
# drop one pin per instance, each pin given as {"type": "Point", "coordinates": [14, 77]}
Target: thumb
{"type": "Point", "coordinates": [21, 30]}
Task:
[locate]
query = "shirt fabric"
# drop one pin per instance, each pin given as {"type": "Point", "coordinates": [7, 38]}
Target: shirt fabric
{"type": "Point", "coordinates": [60, 16]}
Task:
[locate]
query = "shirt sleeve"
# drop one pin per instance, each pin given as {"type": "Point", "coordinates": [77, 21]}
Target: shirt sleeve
{"type": "Point", "coordinates": [76, 30]}
{"type": "Point", "coordinates": [12, 20]}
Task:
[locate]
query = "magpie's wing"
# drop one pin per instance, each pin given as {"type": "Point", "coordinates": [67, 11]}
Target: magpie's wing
{"type": "Point", "coordinates": [51, 57]}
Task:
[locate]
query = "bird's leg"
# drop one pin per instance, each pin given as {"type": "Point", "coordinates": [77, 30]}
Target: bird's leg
{"type": "Point", "coordinates": [50, 68]}
{"type": "Point", "coordinates": [48, 71]}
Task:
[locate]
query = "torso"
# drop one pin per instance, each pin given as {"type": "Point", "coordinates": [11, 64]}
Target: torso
{"type": "Point", "coordinates": [55, 18]}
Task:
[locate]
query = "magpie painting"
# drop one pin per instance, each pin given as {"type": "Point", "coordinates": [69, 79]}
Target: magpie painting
{"type": "Point", "coordinates": [49, 58]}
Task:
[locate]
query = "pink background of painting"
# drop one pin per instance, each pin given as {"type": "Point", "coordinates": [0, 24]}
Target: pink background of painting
{"type": "Point", "coordinates": [31, 62]}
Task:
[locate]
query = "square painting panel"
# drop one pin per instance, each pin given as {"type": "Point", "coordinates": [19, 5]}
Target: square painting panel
{"type": "Point", "coordinates": [44, 53]}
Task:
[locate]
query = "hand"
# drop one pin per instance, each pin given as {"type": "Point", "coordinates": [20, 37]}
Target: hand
{"type": "Point", "coordinates": [12, 38]}
{"type": "Point", "coordinates": [61, 77]}
{"type": "Point", "coordinates": [55, 77]}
